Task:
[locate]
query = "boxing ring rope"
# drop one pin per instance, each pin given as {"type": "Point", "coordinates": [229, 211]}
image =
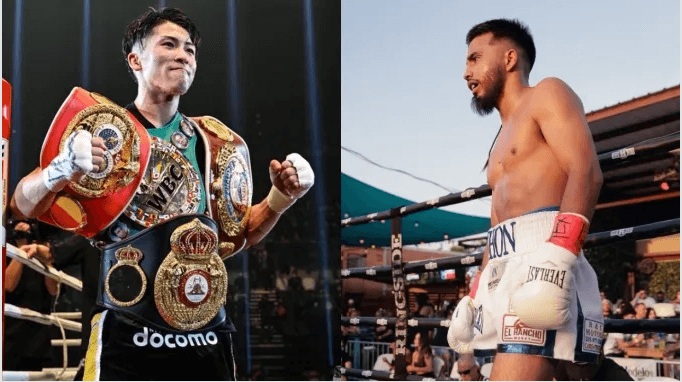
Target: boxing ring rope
{"type": "Point", "coordinates": [611, 325]}
{"type": "Point", "coordinates": [379, 375]}
{"type": "Point", "coordinates": [45, 319]}
{"type": "Point", "coordinates": [69, 342]}
{"type": "Point", "coordinates": [645, 148]}
{"type": "Point", "coordinates": [46, 375]}
{"type": "Point", "coordinates": [662, 144]}
{"type": "Point", "coordinates": [47, 270]}
{"type": "Point", "coordinates": [665, 227]}
{"type": "Point", "coordinates": [68, 315]}
{"type": "Point", "coordinates": [398, 269]}
{"type": "Point", "coordinates": [59, 319]}
{"type": "Point", "coordinates": [57, 374]}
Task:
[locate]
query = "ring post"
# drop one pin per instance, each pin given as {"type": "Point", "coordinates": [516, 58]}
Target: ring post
{"type": "Point", "coordinates": [400, 299]}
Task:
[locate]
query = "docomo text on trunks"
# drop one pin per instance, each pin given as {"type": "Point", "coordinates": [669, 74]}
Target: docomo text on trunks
{"type": "Point", "coordinates": [158, 340]}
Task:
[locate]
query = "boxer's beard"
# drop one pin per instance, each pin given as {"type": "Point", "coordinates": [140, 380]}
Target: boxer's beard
{"type": "Point", "coordinates": [485, 104]}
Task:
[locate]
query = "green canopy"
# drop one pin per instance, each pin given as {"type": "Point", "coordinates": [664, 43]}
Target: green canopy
{"type": "Point", "coordinates": [359, 199]}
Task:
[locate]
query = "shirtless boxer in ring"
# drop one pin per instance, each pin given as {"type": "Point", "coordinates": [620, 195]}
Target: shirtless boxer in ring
{"type": "Point", "coordinates": [535, 304]}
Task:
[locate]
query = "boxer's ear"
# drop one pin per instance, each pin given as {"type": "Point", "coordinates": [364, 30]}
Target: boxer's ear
{"type": "Point", "coordinates": [134, 61]}
{"type": "Point", "coordinates": [511, 59]}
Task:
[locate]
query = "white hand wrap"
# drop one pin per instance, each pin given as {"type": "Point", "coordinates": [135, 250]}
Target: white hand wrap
{"type": "Point", "coordinates": [461, 331]}
{"type": "Point", "coordinates": [71, 164]}
{"type": "Point", "coordinates": [544, 299]}
{"type": "Point", "coordinates": [277, 200]}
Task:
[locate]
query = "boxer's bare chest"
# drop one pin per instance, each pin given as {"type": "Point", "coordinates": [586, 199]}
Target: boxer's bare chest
{"type": "Point", "coordinates": [518, 141]}
{"type": "Point", "coordinates": [523, 171]}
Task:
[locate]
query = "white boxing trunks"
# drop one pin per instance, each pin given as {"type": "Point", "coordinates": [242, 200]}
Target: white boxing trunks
{"type": "Point", "coordinates": [497, 328]}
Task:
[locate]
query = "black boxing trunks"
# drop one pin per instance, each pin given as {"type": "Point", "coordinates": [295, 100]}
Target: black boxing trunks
{"type": "Point", "coordinates": [162, 291]}
{"type": "Point", "coordinates": [122, 348]}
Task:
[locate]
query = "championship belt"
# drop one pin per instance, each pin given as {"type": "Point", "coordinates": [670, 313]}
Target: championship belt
{"type": "Point", "coordinates": [170, 187]}
{"type": "Point", "coordinates": [230, 183]}
{"type": "Point", "coordinates": [90, 205]}
{"type": "Point", "coordinates": [168, 276]}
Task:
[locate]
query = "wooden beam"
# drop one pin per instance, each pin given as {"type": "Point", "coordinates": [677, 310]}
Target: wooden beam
{"type": "Point", "coordinates": [633, 104]}
{"type": "Point", "coordinates": [641, 199]}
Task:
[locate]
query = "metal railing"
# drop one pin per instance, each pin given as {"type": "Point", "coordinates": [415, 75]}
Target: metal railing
{"type": "Point", "coordinates": [364, 355]}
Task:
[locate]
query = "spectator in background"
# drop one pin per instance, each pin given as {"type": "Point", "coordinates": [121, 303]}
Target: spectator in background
{"type": "Point", "coordinates": [295, 282]}
{"type": "Point", "coordinates": [383, 333]}
{"type": "Point", "coordinates": [661, 297]}
{"type": "Point", "coordinates": [424, 310]}
{"type": "Point", "coordinates": [386, 362]}
{"type": "Point", "coordinates": [309, 281]}
{"type": "Point", "coordinates": [641, 311]}
{"type": "Point", "coordinates": [468, 369]}
{"type": "Point", "coordinates": [654, 337]}
{"type": "Point", "coordinates": [615, 343]}
{"type": "Point", "coordinates": [26, 343]}
{"type": "Point", "coordinates": [622, 307]}
{"type": "Point", "coordinates": [350, 306]}
{"type": "Point", "coordinates": [264, 267]}
{"type": "Point", "coordinates": [422, 357]}
{"type": "Point", "coordinates": [346, 359]}
{"type": "Point", "coordinates": [644, 298]}
{"type": "Point", "coordinates": [348, 331]}
{"type": "Point", "coordinates": [606, 308]}
{"type": "Point", "coordinates": [281, 281]}
{"type": "Point", "coordinates": [440, 340]}
{"type": "Point", "coordinates": [651, 314]}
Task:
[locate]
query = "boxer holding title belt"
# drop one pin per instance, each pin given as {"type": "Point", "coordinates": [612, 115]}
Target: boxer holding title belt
{"type": "Point", "coordinates": [172, 211]}
{"type": "Point", "coordinates": [98, 198]}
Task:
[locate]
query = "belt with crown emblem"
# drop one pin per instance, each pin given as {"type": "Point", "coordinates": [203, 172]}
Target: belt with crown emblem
{"type": "Point", "coordinates": [168, 276]}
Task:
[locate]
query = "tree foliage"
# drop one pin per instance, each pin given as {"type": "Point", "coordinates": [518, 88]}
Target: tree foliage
{"type": "Point", "coordinates": [612, 263]}
{"type": "Point", "coordinates": [666, 278]}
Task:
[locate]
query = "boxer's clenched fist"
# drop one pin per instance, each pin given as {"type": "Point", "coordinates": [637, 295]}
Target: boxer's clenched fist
{"type": "Point", "coordinates": [291, 179]}
{"type": "Point", "coordinates": [81, 154]}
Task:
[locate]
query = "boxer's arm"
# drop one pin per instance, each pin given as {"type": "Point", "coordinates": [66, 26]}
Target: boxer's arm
{"type": "Point", "coordinates": [260, 223]}
{"type": "Point", "coordinates": [291, 179]}
{"type": "Point", "coordinates": [13, 275]}
{"type": "Point", "coordinates": [31, 198]}
{"type": "Point", "coordinates": [36, 191]}
{"type": "Point", "coordinates": [561, 118]}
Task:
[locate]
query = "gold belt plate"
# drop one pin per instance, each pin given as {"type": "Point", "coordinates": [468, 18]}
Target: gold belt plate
{"type": "Point", "coordinates": [122, 162]}
{"type": "Point", "coordinates": [191, 283]}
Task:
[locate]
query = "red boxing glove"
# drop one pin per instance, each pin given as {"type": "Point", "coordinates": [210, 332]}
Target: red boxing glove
{"type": "Point", "coordinates": [570, 231]}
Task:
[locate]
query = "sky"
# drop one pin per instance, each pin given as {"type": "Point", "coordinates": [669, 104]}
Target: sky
{"type": "Point", "coordinates": [405, 105]}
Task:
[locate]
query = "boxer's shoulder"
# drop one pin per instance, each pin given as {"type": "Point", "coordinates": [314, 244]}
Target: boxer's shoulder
{"type": "Point", "coordinates": [553, 90]}
{"type": "Point", "coordinates": [552, 98]}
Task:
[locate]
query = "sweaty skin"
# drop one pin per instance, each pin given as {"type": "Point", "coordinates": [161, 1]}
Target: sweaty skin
{"type": "Point", "coordinates": [544, 156]}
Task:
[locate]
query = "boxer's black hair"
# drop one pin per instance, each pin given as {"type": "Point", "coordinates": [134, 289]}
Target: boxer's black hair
{"type": "Point", "coordinates": [140, 28]}
{"type": "Point", "coordinates": [513, 30]}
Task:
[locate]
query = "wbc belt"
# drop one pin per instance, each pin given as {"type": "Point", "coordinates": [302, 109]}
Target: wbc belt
{"type": "Point", "coordinates": [90, 205]}
{"type": "Point", "coordinates": [228, 182]}
{"type": "Point", "coordinates": [168, 276]}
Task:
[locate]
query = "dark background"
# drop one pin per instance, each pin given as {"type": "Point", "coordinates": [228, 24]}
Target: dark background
{"type": "Point", "coordinates": [60, 47]}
